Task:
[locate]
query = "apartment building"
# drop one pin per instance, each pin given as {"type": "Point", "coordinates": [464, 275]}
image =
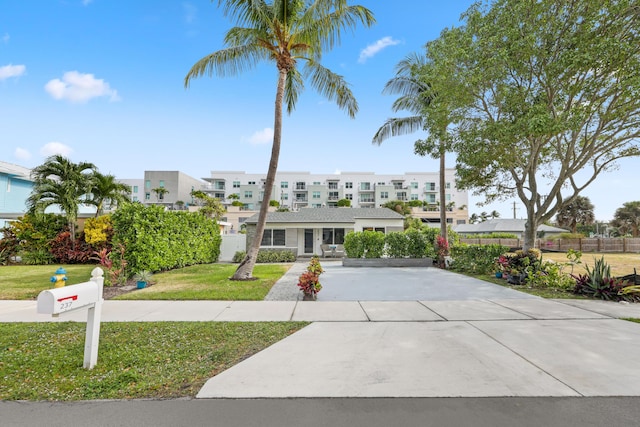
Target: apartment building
{"type": "Point", "coordinates": [168, 187]}
{"type": "Point", "coordinates": [296, 190]}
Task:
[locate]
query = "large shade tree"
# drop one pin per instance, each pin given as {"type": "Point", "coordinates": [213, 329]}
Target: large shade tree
{"type": "Point", "coordinates": [578, 212]}
{"type": "Point", "coordinates": [415, 94]}
{"type": "Point", "coordinates": [542, 97]}
{"type": "Point", "coordinates": [627, 218]}
{"type": "Point", "coordinates": [62, 183]}
{"type": "Point", "coordinates": [292, 35]}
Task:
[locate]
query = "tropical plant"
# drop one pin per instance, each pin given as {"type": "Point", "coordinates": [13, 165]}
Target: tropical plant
{"type": "Point", "coordinates": [309, 281]}
{"type": "Point", "coordinates": [209, 206]}
{"type": "Point", "coordinates": [343, 203]}
{"type": "Point", "coordinates": [283, 32]}
{"type": "Point", "coordinates": [106, 192]}
{"type": "Point", "coordinates": [160, 193]}
{"type": "Point", "coordinates": [536, 98]}
{"type": "Point", "coordinates": [415, 95]}
{"type": "Point", "coordinates": [579, 211]}
{"type": "Point", "coordinates": [62, 183]}
{"type": "Point", "coordinates": [627, 219]}
{"type": "Point", "coordinates": [398, 206]}
{"type": "Point", "coordinates": [143, 276]}
{"type": "Point", "coordinates": [598, 283]}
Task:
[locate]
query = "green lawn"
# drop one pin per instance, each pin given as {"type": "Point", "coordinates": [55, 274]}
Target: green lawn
{"type": "Point", "coordinates": [199, 282]}
{"type": "Point", "coordinates": [26, 281]}
{"type": "Point", "coordinates": [210, 282]}
{"type": "Point", "coordinates": [43, 361]}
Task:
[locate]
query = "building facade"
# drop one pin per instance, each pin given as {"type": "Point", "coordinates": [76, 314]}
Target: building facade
{"type": "Point", "coordinates": [296, 190]}
{"type": "Point", "coordinates": [15, 187]}
{"type": "Point", "coordinates": [177, 188]}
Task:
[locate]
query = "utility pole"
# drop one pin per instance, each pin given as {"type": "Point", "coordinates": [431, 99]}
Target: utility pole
{"type": "Point", "coordinates": [514, 210]}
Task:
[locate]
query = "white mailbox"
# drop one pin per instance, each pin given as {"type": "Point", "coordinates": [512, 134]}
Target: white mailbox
{"type": "Point", "coordinates": [74, 297]}
{"type": "Point", "coordinates": [68, 298]}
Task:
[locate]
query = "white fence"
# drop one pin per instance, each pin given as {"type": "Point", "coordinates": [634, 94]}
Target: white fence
{"type": "Point", "coordinates": [232, 243]}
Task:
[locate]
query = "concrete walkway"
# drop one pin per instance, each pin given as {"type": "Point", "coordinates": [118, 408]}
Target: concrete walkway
{"type": "Point", "coordinates": [482, 341]}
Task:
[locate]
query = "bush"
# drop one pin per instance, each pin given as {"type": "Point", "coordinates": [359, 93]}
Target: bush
{"type": "Point", "coordinates": [397, 245]}
{"type": "Point", "coordinates": [419, 244]}
{"type": "Point", "coordinates": [266, 256]}
{"type": "Point", "coordinates": [155, 239]}
{"type": "Point", "coordinates": [65, 251]}
{"type": "Point", "coordinates": [33, 234]}
{"type": "Point", "coordinates": [478, 259]}
{"type": "Point", "coordinates": [598, 283]}
{"type": "Point", "coordinates": [98, 232]}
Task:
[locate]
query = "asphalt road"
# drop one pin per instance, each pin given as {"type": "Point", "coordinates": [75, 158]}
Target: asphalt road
{"type": "Point", "coordinates": [457, 412]}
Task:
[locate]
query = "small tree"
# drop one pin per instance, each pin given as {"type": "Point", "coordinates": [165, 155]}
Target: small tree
{"type": "Point", "coordinates": [578, 212]}
{"type": "Point", "coordinates": [160, 193]}
{"type": "Point", "coordinates": [627, 218]}
{"type": "Point", "coordinates": [343, 203]}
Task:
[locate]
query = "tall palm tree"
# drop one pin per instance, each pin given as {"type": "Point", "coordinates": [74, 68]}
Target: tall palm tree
{"type": "Point", "coordinates": [415, 95]}
{"type": "Point", "coordinates": [283, 32]}
{"type": "Point", "coordinates": [106, 192]}
{"type": "Point", "coordinates": [627, 218]}
{"type": "Point", "coordinates": [60, 182]}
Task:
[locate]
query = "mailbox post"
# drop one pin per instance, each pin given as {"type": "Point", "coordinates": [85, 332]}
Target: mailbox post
{"type": "Point", "coordinates": [76, 297]}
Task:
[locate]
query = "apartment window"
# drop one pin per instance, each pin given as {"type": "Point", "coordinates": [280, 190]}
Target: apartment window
{"type": "Point", "coordinates": [161, 185]}
{"type": "Point", "coordinates": [449, 220]}
{"type": "Point", "coordinates": [332, 236]}
{"type": "Point", "coordinates": [135, 198]}
{"type": "Point", "coordinates": [348, 185]}
{"type": "Point", "coordinates": [219, 185]}
{"type": "Point", "coordinates": [448, 186]}
{"type": "Point", "coordinates": [382, 183]}
{"type": "Point", "coordinates": [301, 197]}
{"type": "Point", "coordinates": [261, 196]}
{"type": "Point", "coordinates": [272, 237]}
{"type": "Point", "coordinates": [333, 195]}
{"type": "Point", "coordinates": [447, 197]}
{"type": "Point", "coordinates": [401, 195]}
{"type": "Point", "coordinates": [161, 196]}
{"type": "Point", "coordinates": [397, 186]}
{"type": "Point", "coordinates": [284, 184]}
{"type": "Point", "coordinates": [333, 186]}
{"type": "Point", "coordinates": [414, 197]}
{"type": "Point", "coordinates": [147, 196]}
{"type": "Point", "coordinates": [316, 182]}
{"type": "Point", "coordinates": [316, 205]}
{"type": "Point", "coordinates": [365, 186]}
{"type": "Point", "coordinates": [236, 184]}
{"type": "Point", "coordinates": [301, 185]}
{"type": "Point", "coordinates": [378, 229]}
{"type": "Point", "coordinates": [285, 196]}
{"type": "Point", "coordinates": [461, 221]}
{"type": "Point", "coordinates": [134, 189]}
{"type": "Point", "coordinates": [414, 185]}
{"type": "Point", "coordinates": [430, 186]}
{"type": "Point", "coordinates": [248, 194]}
{"type": "Point", "coordinates": [348, 196]}
{"type": "Point", "coordinates": [431, 198]}
{"type": "Point", "coordinates": [218, 195]}
{"type": "Point", "coordinates": [316, 194]}
{"type": "Point", "coordinates": [252, 183]}
{"type": "Point", "coordinates": [366, 198]}
{"type": "Point", "coordinates": [384, 194]}
{"type": "Point", "coordinates": [147, 184]}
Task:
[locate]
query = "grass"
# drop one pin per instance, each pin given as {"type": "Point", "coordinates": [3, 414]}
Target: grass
{"type": "Point", "coordinates": [199, 282]}
{"type": "Point", "coordinates": [210, 282]}
{"type": "Point", "coordinates": [43, 361]}
{"type": "Point", "coordinates": [20, 282]}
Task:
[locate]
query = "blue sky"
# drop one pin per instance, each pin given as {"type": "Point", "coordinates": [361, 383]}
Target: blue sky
{"type": "Point", "coordinates": [102, 81]}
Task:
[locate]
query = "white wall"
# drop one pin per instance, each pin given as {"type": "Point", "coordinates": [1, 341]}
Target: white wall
{"type": "Point", "coordinates": [232, 243]}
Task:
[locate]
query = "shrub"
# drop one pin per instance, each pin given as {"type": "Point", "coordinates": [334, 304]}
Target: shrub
{"type": "Point", "coordinates": [155, 239]}
{"type": "Point", "coordinates": [419, 244]}
{"type": "Point", "coordinates": [65, 251]}
{"type": "Point", "coordinates": [353, 245]}
{"type": "Point", "coordinates": [98, 232]}
{"type": "Point", "coordinates": [309, 281]}
{"type": "Point", "coordinates": [479, 259]}
{"type": "Point", "coordinates": [397, 245]}
{"type": "Point", "coordinates": [266, 256]}
{"type": "Point", "coordinates": [239, 256]}
{"type": "Point", "coordinates": [598, 283]}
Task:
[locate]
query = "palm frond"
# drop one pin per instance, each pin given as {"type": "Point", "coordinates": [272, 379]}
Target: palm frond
{"type": "Point", "coordinates": [230, 61]}
{"type": "Point", "coordinates": [332, 86]}
{"type": "Point", "coordinates": [294, 86]}
{"type": "Point", "coordinates": [396, 127]}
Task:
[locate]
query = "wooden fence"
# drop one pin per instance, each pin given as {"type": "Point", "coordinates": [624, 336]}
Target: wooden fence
{"type": "Point", "coordinates": [563, 245]}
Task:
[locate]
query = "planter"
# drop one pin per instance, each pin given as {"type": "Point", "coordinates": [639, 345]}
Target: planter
{"type": "Point", "coordinates": [387, 262]}
{"type": "Point", "coordinates": [140, 284]}
{"type": "Point", "coordinates": [309, 297]}
{"type": "Point", "coordinates": [499, 275]}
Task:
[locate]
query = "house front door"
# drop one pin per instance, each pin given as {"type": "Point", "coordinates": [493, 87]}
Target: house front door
{"type": "Point", "coordinates": [308, 241]}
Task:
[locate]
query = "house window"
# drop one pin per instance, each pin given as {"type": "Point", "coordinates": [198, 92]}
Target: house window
{"type": "Point", "coordinates": [252, 183]}
{"type": "Point", "coordinates": [161, 184]}
{"type": "Point", "coordinates": [272, 237]}
{"type": "Point", "coordinates": [147, 184]}
{"type": "Point", "coordinates": [135, 198]}
{"type": "Point", "coordinates": [284, 184]}
{"type": "Point", "coordinates": [285, 196]}
{"type": "Point", "coordinates": [236, 184]}
{"type": "Point", "coordinates": [384, 194]}
{"type": "Point", "coordinates": [316, 182]}
{"type": "Point", "coordinates": [448, 186]}
{"type": "Point", "coordinates": [461, 221]}
{"type": "Point", "coordinates": [414, 185]}
{"type": "Point", "coordinates": [333, 236]}
{"type": "Point", "coordinates": [378, 229]}
{"type": "Point", "coordinates": [316, 194]}
{"type": "Point", "coordinates": [348, 185]}
{"type": "Point", "coordinates": [147, 196]}
{"type": "Point", "coordinates": [135, 189]}
{"type": "Point", "coordinates": [248, 194]}
{"type": "Point", "coordinates": [8, 185]}
{"type": "Point", "coordinates": [449, 220]}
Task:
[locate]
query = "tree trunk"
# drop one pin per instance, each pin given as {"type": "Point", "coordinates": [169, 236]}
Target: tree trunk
{"type": "Point", "coordinates": [245, 269]}
{"type": "Point", "coordinates": [530, 228]}
{"type": "Point", "coordinates": [443, 202]}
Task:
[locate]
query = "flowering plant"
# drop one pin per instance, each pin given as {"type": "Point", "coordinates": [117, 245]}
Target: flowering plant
{"type": "Point", "coordinates": [443, 250]}
{"type": "Point", "coordinates": [309, 281]}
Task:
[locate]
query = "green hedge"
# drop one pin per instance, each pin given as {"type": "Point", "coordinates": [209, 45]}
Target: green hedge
{"type": "Point", "coordinates": [267, 255]}
{"type": "Point", "coordinates": [479, 259]}
{"type": "Point", "coordinates": [156, 240]}
{"type": "Point", "coordinates": [371, 244]}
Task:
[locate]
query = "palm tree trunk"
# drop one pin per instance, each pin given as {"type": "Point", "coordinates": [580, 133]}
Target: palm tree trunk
{"type": "Point", "coordinates": [443, 202]}
{"type": "Point", "coordinates": [245, 269]}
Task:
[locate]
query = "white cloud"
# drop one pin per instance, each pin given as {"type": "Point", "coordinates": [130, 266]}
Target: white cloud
{"type": "Point", "coordinates": [5, 38]}
{"type": "Point", "coordinates": [52, 148]}
{"type": "Point", "coordinates": [263, 136]}
{"type": "Point", "coordinates": [79, 87]}
{"type": "Point", "coordinates": [22, 154]}
{"type": "Point", "coordinates": [376, 47]}
{"type": "Point", "coordinates": [11, 71]}
{"type": "Point", "coordinates": [190, 12]}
